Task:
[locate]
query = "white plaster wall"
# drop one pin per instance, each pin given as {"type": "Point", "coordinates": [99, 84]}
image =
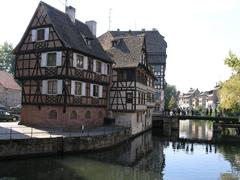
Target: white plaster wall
{"type": "Point", "coordinates": [129, 120]}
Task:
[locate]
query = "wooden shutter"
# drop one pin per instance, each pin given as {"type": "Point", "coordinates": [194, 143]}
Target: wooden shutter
{"type": "Point", "coordinates": [91, 89]}
{"type": "Point", "coordinates": [43, 59]}
{"type": "Point", "coordinates": [100, 91]}
{"type": "Point", "coordinates": [74, 60]}
{"type": "Point", "coordinates": [59, 86]}
{"type": "Point", "coordinates": [46, 34]}
{"type": "Point", "coordinates": [72, 87]}
{"type": "Point", "coordinates": [102, 68]}
{"type": "Point", "coordinates": [83, 89]}
{"type": "Point", "coordinates": [44, 86]}
{"type": "Point", "coordinates": [94, 65]}
{"type": "Point", "coordinates": [85, 62]}
{"type": "Point", "coordinates": [34, 35]}
{"type": "Point", "coordinates": [59, 58]}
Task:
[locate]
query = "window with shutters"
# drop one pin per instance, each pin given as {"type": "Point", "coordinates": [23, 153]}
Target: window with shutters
{"type": "Point", "coordinates": [40, 35]}
{"type": "Point", "coordinates": [51, 59]}
{"type": "Point", "coordinates": [79, 61]}
{"type": "Point", "coordinates": [78, 88]}
{"type": "Point", "coordinates": [52, 87]}
{"type": "Point", "coordinates": [95, 90]}
{"type": "Point", "coordinates": [98, 67]}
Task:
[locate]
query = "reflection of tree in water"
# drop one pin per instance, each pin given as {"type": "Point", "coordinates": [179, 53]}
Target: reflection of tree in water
{"type": "Point", "coordinates": [232, 154]}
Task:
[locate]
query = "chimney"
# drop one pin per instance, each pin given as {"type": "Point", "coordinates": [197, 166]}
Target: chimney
{"type": "Point", "coordinates": [154, 29]}
{"type": "Point", "coordinates": [118, 29]}
{"type": "Point", "coordinates": [143, 29]}
{"type": "Point", "coordinates": [70, 11]}
{"type": "Point", "coordinates": [92, 25]}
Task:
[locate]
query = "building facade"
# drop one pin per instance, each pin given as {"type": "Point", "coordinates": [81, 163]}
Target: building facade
{"type": "Point", "coordinates": [10, 91]}
{"type": "Point", "coordinates": [64, 71]}
{"type": "Point", "coordinates": [189, 100]}
{"type": "Point", "coordinates": [132, 91]}
{"type": "Point", "coordinates": [156, 55]}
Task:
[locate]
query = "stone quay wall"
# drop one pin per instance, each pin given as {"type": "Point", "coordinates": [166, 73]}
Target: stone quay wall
{"type": "Point", "coordinates": [60, 145]}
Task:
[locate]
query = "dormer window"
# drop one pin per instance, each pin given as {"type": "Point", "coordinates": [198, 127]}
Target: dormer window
{"type": "Point", "coordinates": [88, 41]}
{"type": "Point", "coordinates": [114, 43]}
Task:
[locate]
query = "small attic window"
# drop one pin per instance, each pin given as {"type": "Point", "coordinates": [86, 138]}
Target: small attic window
{"type": "Point", "coordinates": [88, 41]}
{"type": "Point", "coordinates": [115, 43]}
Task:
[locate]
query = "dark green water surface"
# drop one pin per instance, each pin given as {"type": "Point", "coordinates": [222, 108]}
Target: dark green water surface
{"type": "Point", "coordinates": [185, 154]}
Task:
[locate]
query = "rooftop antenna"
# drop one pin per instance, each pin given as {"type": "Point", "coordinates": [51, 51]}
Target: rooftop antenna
{"type": "Point", "coordinates": [109, 19]}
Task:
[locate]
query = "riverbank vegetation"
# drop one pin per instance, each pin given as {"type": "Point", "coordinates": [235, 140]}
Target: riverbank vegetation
{"type": "Point", "coordinates": [229, 92]}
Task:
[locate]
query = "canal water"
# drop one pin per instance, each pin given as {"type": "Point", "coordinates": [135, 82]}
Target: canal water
{"type": "Point", "coordinates": [189, 153]}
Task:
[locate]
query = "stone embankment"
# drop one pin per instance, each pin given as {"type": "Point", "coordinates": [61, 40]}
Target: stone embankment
{"type": "Point", "coordinates": [11, 148]}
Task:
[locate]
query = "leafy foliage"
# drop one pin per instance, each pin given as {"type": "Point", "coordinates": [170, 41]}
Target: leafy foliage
{"type": "Point", "coordinates": [7, 59]}
{"type": "Point", "coordinates": [233, 62]}
{"type": "Point", "coordinates": [170, 96]}
{"type": "Point", "coordinates": [230, 90]}
{"type": "Point", "coordinates": [230, 94]}
{"type": "Point", "coordinates": [172, 103]}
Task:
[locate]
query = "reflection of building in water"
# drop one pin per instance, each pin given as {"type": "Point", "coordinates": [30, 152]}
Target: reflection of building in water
{"type": "Point", "coordinates": [128, 153]}
{"type": "Point", "coordinates": [196, 129]}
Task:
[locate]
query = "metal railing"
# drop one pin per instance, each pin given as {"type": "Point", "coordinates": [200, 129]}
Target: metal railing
{"type": "Point", "coordinates": [11, 133]}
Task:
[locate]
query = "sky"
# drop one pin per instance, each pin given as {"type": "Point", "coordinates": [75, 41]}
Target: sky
{"type": "Point", "coordinates": [199, 33]}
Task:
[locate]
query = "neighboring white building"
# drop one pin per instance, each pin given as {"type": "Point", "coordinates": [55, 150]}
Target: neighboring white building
{"type": "Point", "coordinates": [189, 99]}
{"type": "Point", "coordinates": [10, 91]}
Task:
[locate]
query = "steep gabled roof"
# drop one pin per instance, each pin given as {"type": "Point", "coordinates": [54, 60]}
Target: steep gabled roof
{"type": "Point", "coordinates": [72, 34]}
{"type": "Point", "coordinates": [8, 82]}
{"type": "Point", "coordinates": [128, 51]}
{"type": "Point", "coordinates": [155, 42]}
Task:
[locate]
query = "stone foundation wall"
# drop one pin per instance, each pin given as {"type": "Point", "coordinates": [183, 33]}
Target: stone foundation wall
{"type": "Point", "coordinates": [60, 145]}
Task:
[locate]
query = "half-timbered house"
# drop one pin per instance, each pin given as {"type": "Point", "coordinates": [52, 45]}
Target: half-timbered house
{"type": "Point", "coordinates": [156, 54]}
{"type": "Point", "coordinates": [64, 71]}
{"type": "Point", "coordinates": [132, 91]}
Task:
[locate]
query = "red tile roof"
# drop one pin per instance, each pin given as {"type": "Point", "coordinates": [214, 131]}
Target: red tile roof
{"type": "Point", "coordinates": [7, 81]}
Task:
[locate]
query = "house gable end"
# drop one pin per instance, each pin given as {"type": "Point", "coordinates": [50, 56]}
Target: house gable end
{"type": "Point", "coordinates": [40, 20]}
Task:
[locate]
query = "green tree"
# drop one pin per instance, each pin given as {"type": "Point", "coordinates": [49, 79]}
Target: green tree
{"type": "Point", "coordinates": [7, 59]}
{"type": "Point", "coordinates": [172, 103]}
{"type": "Point", "coordinates": [229, 92]}
{"type": "Point", "coordinates": [169, 93]}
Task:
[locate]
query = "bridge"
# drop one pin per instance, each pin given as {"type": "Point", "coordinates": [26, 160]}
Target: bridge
{"type": "Point", "coordinates": [159, 120]}
{"type": "Point", "coordinates": [157, 117]}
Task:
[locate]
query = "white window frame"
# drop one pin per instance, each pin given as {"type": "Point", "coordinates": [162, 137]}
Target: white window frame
{"type": "Point", "coordinates": [96, 66]}
{"type": "Point", "coordinates": [34, 34]}
{"type": "Point", "coordinates": [45, 86]}
{"type": "Point", "coordinates": [83, 88]}
{"type": "Point", "coordinates": [100, 90]}
{"type": "Point", "coordinates": [44, 59]}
